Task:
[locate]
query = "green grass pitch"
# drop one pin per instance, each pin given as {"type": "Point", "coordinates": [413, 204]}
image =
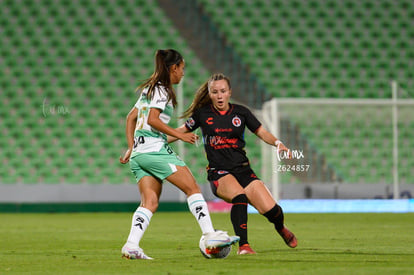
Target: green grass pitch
{"type": "Point", "coordinates": [90, 243]}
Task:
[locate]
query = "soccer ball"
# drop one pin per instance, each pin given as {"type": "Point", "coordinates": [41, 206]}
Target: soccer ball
{"type": "Point", "coordinates": [215, 253]}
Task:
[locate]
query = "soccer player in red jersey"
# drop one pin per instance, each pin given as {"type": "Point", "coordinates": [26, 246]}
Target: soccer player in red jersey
{"type": "Point", "coordinates": [229, 172]}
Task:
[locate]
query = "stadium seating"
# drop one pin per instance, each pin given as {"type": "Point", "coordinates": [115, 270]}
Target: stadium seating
{"type": "Point", "coordinates": [331, 48]}
{"type": "Point", "coordinates": [68, 71]}
{"type": "Point", "coordinates": [336, 49]}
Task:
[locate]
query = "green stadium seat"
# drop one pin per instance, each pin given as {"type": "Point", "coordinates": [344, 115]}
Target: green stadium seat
{"type": "Point", "coordinates": [71, 60]}
{"type": "Point", "coordinates": [90, 57]}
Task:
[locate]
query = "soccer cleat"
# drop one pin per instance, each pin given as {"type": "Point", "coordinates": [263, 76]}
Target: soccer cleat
{"type": "Point", "coordinates": [219, 239]}
{"type": "Point", "coordinates": [245, 249]}
{"type": "Point", "coordinates": [134, 253]}
{"type": "Point", "coordinates": [288, 237]}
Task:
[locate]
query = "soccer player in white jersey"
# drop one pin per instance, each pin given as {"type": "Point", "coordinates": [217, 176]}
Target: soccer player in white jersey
{"type": "Point", "coordinates": [152, 160]}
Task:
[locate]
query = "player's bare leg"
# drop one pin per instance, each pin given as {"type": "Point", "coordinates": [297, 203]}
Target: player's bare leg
{"type": "Point", "coordinates": [184, 180]}
{"type": "Point", "coordinates": [150, 189]}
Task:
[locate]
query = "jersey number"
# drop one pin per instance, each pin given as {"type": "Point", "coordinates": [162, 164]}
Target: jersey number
{"type": "Point", "coordinates": [138, 140]}
{"type": "Point", "coordinates": [141, 118]}
{"type": "Point", "coordinates": [168, 148]}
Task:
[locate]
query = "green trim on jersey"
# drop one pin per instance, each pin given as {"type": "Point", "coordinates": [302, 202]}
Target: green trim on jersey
{"type": "Point", "coordinates": [146, 133]}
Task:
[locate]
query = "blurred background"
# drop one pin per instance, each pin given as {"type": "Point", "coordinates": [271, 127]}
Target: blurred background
{"type": "Point", "coordinates": [69, 69]}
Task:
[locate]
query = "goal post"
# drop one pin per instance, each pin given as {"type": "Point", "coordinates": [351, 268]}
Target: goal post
{"type": "Point", "coordinates": [394, 88]}
{"type": "Point", "coordinates": [344, 141]}
{"type": "Point", "coordinates": [272, 121]}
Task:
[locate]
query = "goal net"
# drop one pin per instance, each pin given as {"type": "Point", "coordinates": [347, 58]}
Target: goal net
{"type": "Point", "coordinates": [350, 143]}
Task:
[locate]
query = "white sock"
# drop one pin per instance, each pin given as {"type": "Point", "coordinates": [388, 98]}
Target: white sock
{"type": "Point", "coordinates": [140, 221]}
{"type": "Point", "coordinates": [198, 207]}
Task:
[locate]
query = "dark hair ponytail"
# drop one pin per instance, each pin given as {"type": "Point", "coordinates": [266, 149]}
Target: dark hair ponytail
{"type": "Point", "coordinates": [164, 59]}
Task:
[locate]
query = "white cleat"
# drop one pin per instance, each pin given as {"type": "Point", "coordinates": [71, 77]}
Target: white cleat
{"type": "Point", "coordinates": [219, 239]}
{"type": "Point", "coordinates": [134, 253]}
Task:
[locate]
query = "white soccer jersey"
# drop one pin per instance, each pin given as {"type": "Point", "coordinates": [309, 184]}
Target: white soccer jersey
{"type": "Point", "coordinates": [146, 138]}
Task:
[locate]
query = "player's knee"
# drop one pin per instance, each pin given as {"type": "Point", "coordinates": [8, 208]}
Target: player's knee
{"type": "Point", "coordinates": [191, 190]}
{"type": "Point", "coordinates": [151, 203]}
{"type": "Point", "coordinates": [240, 198]}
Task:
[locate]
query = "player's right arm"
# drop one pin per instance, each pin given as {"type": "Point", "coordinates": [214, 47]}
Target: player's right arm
{"type": "Point", "coordinates": [155, 122]}
{"type": "Point", "coordinates": [181, 129]}
{"type": "Point", "coordinates": [131, 121]}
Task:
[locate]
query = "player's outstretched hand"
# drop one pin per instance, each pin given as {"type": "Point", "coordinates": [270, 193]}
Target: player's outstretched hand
{"type": "Point", "coordinates": [189, 137]}
{"type": "Point", "coordinates": [125, 158]}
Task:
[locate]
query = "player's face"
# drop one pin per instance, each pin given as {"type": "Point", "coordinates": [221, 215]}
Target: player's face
{"type": "Point", "coordinates": [177, 72]}
{"type": "Point", "coordinates": [220, 93]}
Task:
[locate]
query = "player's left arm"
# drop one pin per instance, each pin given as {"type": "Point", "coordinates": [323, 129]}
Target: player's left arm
{"type": "Point", "coordinates": [270, 139]}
